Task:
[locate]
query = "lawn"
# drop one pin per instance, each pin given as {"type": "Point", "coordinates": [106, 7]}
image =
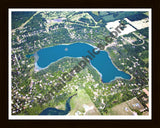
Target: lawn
{"type": "Point", "coordinates": [78, 102]}
{"type": "Point", "coordinates": [126, 108]}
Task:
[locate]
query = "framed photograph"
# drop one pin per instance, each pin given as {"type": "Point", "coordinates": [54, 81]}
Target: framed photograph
{"type": "Point", "coordinates": [79, 63]}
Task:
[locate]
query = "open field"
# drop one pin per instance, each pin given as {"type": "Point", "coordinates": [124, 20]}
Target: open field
{"type": "Point", "coordinates": [126, 108]}
{"type": "Point", "coordinates": [82, 104]}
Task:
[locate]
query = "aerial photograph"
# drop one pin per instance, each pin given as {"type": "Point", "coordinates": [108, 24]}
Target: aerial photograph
{"type": "Point", "coordinates": [79, 63]}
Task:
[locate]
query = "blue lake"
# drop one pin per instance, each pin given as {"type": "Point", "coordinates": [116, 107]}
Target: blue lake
{"type": "Point", "coordinates": [54, 111]}
{"type": "Point", "coordinates": [101, 62]}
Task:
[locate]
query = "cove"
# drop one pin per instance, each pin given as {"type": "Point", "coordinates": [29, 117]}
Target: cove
{"type": "Point", "coordinates": [101, 62]}
{"type": "Point", "coordinates": [54, 111]}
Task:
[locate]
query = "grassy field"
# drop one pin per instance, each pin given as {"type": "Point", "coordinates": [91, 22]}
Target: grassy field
{"type": "Point", "coordinates": [95, 12]}
{"type": "Point", "coordinates": [146, 13]}
{"type": "Point", "coordinates": [126, 108]}
{"type": "Point", "coordinates": [79, 102]}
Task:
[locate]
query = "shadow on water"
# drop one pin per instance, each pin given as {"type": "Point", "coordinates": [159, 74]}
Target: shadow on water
{"type": "Point", "coordinates": [54, 111]}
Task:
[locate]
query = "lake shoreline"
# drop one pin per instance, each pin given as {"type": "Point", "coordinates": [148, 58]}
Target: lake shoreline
{"type": "Point", "coordinates": [85, 45]}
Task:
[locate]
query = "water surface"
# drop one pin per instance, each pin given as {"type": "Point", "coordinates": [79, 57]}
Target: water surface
{"type": "Point", "coordinates": [101, 62]}
{"type": "Point", "coordinates": [54, 111]}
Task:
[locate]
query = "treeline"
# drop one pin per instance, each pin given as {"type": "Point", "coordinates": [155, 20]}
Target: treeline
{"type": "Point", "coordinates": [36, 24]}
{"type": "Point", "coordinates": [20, 17]}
